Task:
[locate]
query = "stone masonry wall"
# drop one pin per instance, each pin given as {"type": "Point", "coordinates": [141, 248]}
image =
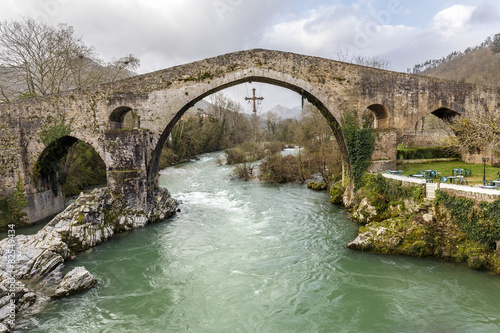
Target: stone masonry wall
{"type": "Point", "coordinates": [473, 193]}
{"type": "Point", "coordinates": [423, 138]}
{"type": "Point", "coordinates": [126, 160]}
{"type": "Point", "coordinates": [492, 155]}
{"type": "Point", "coordinates": [9, 156]}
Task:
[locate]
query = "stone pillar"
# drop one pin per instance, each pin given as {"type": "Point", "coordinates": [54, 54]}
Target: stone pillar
{"type": "Point", "coordinates": [384, 155]}
{"type": "Point", "coordinates": [126, 161]}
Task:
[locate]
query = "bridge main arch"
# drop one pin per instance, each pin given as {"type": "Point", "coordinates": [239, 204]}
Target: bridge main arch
{"type": "Point", "coordinates": [326, 107]}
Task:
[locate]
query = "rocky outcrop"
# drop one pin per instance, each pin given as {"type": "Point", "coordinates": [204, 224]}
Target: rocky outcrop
{"type": "Point", "coordinates": [38, 260]}
{"type": "Point", "coordinates": [396, 236]}
{"type": "Point", "coordinates": [421, 229]}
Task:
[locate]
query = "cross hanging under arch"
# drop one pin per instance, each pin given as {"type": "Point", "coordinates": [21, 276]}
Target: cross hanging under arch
{"type": "Point", "coordinates": [254, 99]}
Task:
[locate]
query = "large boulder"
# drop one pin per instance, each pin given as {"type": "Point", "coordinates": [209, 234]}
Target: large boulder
{"type": "Point", "coordinates": [78, 279]}
{"type": "Point", "coordinates": [364, 212]}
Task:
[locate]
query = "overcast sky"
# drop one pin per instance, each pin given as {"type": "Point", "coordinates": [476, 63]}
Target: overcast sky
{"type": "Point", "coordinates": [164, 33]}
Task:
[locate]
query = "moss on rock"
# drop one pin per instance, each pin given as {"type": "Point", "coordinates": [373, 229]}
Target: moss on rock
{"type": "Point", "coordinates": [336, 193]}
{"type": "Point", "coordinates": [317, 186]}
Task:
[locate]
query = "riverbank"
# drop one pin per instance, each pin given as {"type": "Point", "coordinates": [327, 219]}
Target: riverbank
{"type": "Point", "coordinates": [398, 219]}
{"type": "Point", "coordinates": [31, 265]}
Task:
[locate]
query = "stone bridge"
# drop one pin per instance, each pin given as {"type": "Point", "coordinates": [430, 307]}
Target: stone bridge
{"type": "Point", "coordinates": [160, 98]}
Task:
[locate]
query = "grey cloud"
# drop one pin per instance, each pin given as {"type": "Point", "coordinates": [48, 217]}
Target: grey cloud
{"type": "Point", "coordinates": [486, 12]}
{"type": "Point", "coordinates": [191, 31]}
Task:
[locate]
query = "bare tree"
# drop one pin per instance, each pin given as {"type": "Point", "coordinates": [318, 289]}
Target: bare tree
{"type": "Point", "coordinates": [272, 121]}
{"type": "Point", "coordinates": [39, 59]}
{"type": "Point", "coordinates": [375, 62]}
{"type": "Point", "coordinates": [476, 131]}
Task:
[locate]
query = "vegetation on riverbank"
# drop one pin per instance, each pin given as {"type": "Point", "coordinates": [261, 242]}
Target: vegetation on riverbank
{"type": "Point", "coordinates": [359, 144]}
{"type": "Point", "coordinates": [396, 219]}
{"type": "Point", "coordinates": [319, 156]}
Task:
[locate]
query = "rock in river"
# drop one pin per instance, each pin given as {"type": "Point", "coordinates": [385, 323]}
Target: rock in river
{"type": "Point", "coordinates": [76, 280]}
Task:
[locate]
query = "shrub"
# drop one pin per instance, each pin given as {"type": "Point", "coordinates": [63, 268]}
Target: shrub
{"type": "Point", "coordinates": [11, 208]}
{"type": "Point", "coordinates": [278, 169]}
{"type": "Point", "coordinates": [394, 190]}
{"type": "Point", "coordinates": [423, 153]}
{"type": "Point", "coordinates": [243, 171]}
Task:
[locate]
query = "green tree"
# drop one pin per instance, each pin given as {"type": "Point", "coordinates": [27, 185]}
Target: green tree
{"type": "Point", "coordinates": [495, 45]}
{"type": "Point", "coordinates": [81, 168]}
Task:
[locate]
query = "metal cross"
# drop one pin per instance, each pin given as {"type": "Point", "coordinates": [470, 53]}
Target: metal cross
{"type": "Point", "coordinates": [254, 99]}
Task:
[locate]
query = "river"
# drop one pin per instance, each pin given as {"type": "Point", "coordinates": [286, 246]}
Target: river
{"type": "Point", "coordinates": [253, 257]}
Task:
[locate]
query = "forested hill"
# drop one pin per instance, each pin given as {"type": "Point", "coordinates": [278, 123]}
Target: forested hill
{"type": "Point", "coordinates": [479, 64]}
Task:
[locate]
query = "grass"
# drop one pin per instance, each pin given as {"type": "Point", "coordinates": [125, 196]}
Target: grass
{"type": "Point", "coordinates": [446, 168]}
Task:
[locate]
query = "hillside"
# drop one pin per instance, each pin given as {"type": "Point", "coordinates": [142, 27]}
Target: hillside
{"type": "Point", "coordinates": [477, 65]}
{"type": "Point", "coordinates": [481, 67]}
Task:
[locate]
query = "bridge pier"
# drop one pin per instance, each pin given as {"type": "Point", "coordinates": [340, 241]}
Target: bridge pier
{"type": "Point", "coordinates": [126, 161]}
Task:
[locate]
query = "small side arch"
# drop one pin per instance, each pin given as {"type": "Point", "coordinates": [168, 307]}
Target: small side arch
{"type": "Point", "coordinates": [375, 116]}
{"type": "Point", "coordinates": [124, 117]}
{"type": "Point", "coordinates": [436, 119]}
{"type": "Point", "coordinates": [49, 173]}
{"type": "Point", "coordinates": [430, 130]}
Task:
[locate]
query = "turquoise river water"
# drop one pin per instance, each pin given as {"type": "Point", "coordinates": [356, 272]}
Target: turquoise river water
{"type": "Point", "coordinates": [253, 257]}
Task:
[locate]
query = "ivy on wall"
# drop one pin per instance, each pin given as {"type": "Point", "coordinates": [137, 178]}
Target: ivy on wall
{"type": "Point", "coordinates": [55, 129]}
{"type": "Point", "coordinates": [360, 143]}
{"type": "Point", "coordinates": [394, 190]}
{"type": "Point", "coordinates": [480, 222]}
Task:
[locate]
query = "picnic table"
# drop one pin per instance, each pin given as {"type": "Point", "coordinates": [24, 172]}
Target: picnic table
{"type": "Point", "coordinates": [461, 172]}
{"type": "Point", "coordinates": [430, 173]}
{"type": "Point", "coordinates": [453, 180]}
